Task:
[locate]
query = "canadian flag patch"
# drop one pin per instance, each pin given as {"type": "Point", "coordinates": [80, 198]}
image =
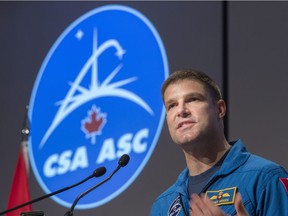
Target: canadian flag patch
{"type": "Point", "coordinates": [285, 183]}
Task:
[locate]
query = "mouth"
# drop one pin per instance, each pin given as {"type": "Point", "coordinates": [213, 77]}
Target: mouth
{"type": "Point", "coordinates": [185, 123]}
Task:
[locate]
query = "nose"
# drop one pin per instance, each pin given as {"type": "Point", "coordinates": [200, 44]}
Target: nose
{"type": "Point", "coordinates": [183, 111]}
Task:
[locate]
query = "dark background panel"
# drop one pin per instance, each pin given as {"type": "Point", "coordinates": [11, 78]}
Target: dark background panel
{"type": "Point", "coordinates": [192, 36]}
{"type": "Point", "coordinates": [258, 77]}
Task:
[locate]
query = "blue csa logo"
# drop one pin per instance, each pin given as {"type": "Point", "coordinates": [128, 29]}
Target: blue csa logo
{"type": "Point", "coordinates": [97, 97]}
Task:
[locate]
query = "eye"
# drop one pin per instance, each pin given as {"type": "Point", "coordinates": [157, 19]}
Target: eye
{"type": "Point", "coordinates": [191, 99]}
{"type": "Point", "coordinates": [170, 106]}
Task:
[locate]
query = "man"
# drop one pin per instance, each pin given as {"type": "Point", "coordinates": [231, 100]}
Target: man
{"type": "Point", "coordinates": [221, 178]}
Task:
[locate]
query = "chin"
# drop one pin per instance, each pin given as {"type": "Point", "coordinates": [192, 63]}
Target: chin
{"type": "Point", "coordinates": [188, 138]}
{"type": "Point", "coordinates": [185, 141]}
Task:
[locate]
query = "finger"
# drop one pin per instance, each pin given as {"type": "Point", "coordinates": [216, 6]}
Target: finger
{"type": "Point", "coordinates": [240, 209]}
{"type": "Point", "coordinates": [209, 204]}
{"type": "Point", "coordinates": [199, 207]}
{"type": "Point", "coordinates": [196, 205]}
{"type": "Point", "coordinates": [212, 207]}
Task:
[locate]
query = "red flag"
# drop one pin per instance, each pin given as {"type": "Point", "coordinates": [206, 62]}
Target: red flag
{"type": "Point", "coordinates": [19, 192]}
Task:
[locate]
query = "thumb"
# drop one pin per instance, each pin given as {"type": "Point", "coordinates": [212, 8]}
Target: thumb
{"type": "Point", "coordinates": [240, 209]}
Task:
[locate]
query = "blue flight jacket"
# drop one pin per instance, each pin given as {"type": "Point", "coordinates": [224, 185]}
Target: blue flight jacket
{"type": "Point", "coordinates": [258, 180]}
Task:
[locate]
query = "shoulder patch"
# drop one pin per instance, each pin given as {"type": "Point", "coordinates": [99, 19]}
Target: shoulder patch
{"type": "Point", "coordinates": [222, 197]}
{"type": "Point", "coordinates": [175, 207]}
{"type": "Point", "coordinates": [285, 183]}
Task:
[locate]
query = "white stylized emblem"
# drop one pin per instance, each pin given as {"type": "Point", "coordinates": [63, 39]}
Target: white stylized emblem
{"type": "Point", "coordinates": [77, 95]}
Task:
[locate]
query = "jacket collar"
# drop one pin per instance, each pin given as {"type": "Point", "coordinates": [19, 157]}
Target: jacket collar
{"type": "Point", "coordinates": [237, 156]}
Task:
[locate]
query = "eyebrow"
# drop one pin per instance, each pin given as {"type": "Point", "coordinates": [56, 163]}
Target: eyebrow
{"type": "Point", "coordinates": [196, 94]}
{"type": "Point", "coordinates": [191, 94]}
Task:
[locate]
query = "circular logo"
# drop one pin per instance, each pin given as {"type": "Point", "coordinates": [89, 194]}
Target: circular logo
{"type": "Point", "coordinates": [97, 97]}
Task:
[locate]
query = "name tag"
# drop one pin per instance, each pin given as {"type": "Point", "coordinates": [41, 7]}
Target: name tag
{"type": "Point", "coordinates": [222, 197]}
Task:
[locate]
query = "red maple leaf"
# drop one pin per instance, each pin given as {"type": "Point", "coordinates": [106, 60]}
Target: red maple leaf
{"type": "Point", "coordinates": [94, 124]}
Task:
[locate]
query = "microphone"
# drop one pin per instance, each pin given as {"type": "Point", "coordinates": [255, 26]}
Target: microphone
{"type": "Point", "coordinates": [96, 173]}
{"type": "Point", "coordinates": [122, 162]}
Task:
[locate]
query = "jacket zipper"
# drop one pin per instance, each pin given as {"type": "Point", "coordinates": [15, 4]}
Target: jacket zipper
{"type": "Point", "coordinates": [183, 206]}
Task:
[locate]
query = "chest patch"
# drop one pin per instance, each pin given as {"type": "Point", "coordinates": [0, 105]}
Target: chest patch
{"type": "Point", "coordinates": [222, 197]}
{"type": "Point", "coordinates": [175, 207]}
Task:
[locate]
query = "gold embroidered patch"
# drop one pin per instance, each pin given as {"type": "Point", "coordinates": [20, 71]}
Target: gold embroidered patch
{"type": "Point", "coordinates": [222, 197]}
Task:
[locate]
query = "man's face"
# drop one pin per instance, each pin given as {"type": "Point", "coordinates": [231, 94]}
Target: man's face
{"type": "Point", "coordinates": [191, 113]}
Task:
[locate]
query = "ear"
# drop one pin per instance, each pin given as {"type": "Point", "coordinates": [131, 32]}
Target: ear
{"type": "Point", "coordinates": [221, 105]}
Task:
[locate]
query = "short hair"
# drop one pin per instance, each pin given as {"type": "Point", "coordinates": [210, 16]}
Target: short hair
{"type": "Point", "coordinates": [191, 74]}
